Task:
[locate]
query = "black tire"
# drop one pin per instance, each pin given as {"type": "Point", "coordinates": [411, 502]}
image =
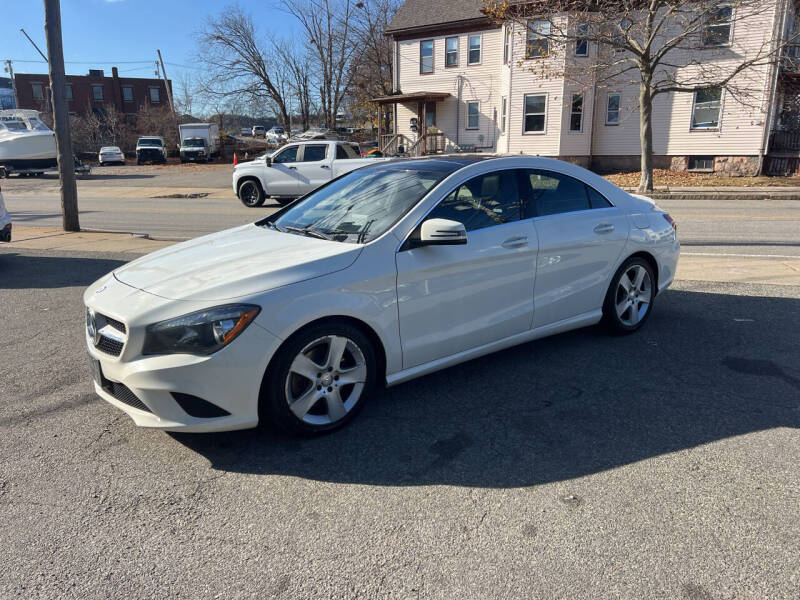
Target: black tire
{"type": "Point", "coordinates": [139, 161]}
{"type": "Point", "coordinates": [616, 295]}
{"type": "Point", "coordinates": [274, 403]}
{"type": "Point", "coordinates": [251, 194]}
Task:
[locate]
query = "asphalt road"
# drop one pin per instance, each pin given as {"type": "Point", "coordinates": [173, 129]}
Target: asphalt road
{"type": "Point", "coordinates": [665, 464]}
{"type": "Point", "coordinates": [749, 227]}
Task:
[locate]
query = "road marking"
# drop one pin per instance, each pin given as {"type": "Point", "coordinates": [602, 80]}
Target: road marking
{"type": "Point", "coordinates": [797, 257]}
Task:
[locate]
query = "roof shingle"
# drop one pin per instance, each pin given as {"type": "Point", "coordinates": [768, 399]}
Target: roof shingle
{"type": "Point", "coordinates": [418, 14]}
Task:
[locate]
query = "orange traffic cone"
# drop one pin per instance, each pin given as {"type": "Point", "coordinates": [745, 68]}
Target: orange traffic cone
{"type": "Point", "coordinates": [235, 160]}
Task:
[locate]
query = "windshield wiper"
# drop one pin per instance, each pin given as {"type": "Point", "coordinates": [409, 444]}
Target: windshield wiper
{"type": "Point", "coordinates": [310, 232]}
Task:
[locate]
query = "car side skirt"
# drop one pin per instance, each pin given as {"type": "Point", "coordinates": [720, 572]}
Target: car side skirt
{"type": "Point", "coordinates": [577, 322]}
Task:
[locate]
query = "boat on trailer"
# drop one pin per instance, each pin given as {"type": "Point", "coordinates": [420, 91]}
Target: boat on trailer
{"type": "Point", "coordinates": [26, 143]}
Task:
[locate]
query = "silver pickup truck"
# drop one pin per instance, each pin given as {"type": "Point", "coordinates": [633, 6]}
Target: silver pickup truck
{"type": "Point", "coordinates": [294, 170]}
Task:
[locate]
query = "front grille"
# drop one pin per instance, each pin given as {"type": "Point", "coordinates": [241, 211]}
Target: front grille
{"type": "Point", "coordinates": [124, 395]}
{"type": "Point", "coordinates": [109, 346]}
{"type": "Point", "coordinates": [118, 325]}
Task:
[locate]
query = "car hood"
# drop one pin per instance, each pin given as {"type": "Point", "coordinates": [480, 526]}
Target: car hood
{"type": "Point", "coordinates": [237, 262]}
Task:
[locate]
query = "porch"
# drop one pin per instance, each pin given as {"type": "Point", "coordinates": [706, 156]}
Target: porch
{"type": "Point", "coordinates": [424, 138]}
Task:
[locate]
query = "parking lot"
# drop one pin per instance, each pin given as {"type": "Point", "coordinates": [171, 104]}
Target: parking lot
{"type": "Point", "coordinates": [659, 465]}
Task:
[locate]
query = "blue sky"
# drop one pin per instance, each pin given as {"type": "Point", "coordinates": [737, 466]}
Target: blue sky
{"type": "Point", "coordinates": [102, 33]}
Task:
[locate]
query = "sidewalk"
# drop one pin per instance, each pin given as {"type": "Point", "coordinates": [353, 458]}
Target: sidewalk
{"type": "Point", "coordinates": [708, 267]}
{"type": "Point", "coordinates": [662, 192]}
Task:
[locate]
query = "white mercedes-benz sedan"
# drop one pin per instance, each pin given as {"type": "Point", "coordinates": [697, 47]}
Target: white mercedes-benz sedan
{"type": "Point", "coordinates": [387, 273]}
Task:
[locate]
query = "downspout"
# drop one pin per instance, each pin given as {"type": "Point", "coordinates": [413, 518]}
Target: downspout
{"type": "Point", "coordinates": [774, 91]}
{"type": "Point", "coordinates": [510, 89]}
{"type": "Point", "coordinates": [459, 81]}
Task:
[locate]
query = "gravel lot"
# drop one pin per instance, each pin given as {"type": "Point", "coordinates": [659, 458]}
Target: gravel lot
{"type": "Point", "coordinates": [660, 465]}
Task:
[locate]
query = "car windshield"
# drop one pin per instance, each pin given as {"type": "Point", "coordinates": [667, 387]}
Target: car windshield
{"type": "Point", "coordinates": [149, 142]}
{"type": "Point", "coordinates": [361, 205]}
{"type": "Point", "coordinates": [194, 142]}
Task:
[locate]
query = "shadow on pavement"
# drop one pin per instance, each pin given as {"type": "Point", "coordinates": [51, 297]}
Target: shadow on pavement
{"type": "Point", "coordinates": [32, 271]}
{"type": "Point", "coordinates": [705, 368]}
{"type": "Point", "coordinates": [100, 175]}
{"type": "Point", "coordinates": [21, 216]}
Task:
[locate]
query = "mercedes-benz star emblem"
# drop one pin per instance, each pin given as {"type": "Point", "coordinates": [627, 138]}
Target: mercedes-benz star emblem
{"type": "Point", "coordinates": [91, 326]}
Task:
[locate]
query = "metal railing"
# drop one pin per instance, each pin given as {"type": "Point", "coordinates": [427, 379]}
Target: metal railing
{"type": "Point", "coordinates": [783, 141]}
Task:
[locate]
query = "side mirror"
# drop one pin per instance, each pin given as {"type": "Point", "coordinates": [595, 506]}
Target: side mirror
{"type": "Point", "coordinates": [268, 161]}
{"type": "Point", "coordinates": [442, 232]}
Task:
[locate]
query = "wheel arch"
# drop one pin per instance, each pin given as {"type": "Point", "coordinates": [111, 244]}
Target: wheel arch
{"type": "Point", "coordinates": [249, 177]}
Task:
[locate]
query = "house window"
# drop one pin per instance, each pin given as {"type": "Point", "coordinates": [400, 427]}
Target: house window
{"type": "Point", "coordinates": [701, 163]}
{"type": "Point", "coordinates": [38, 91]}
{"type": "Point", "coordinates": [582, 43]}
{"type": "Point", "coordinates": [430, 115]}
{"type": "Point", "coordinates": [451, 52]}
{"type": "Point", "coordinates": [426, 56]}
{"type": "Point", "coordinates": [97, 91]}
{"type": "Point", "coordinates": [68, 91]}
{"type": "Point", "coordinates": [707, 105]}
{"type": "Point", "coordinates": [475, 49]}
{"type": "Point", "coordinates": [538, 43]}
{"type": "Point", "coordinates": [127, 93]}
{"type": "Point", "coordinates": [503, 114]}
{"type": "Point", "coordinates": [717, 26]}
{"type": "Point", "coordinates": [534, 113]}
{"type": "Point", "coordinates": [612, 109]}
{"type": "Point", "coordinates": [507, 46]}
{"type": "Point", "coordinates": [155, 95]}
{"type": "Point", "coordinates": [473, 114]}
{"type": "Point", "coordinates": [576, 114]}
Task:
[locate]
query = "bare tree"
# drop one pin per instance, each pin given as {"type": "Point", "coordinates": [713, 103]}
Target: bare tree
{"type": "Point", "coordinates": [239, 65]}
{"type": "Point", "coordinates": [328, 27]}
{"type": "Point", "coordinates": [301, 82]}
{"type": "Point", "coordinates": [659, 46]}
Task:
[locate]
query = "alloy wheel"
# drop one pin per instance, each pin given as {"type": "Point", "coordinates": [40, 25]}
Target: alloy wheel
{"type": "Point", "coordinates": [634, 294]}
{"type": "Point", "coordinates": [326, 380]}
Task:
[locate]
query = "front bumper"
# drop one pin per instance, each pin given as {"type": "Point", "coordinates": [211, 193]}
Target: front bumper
{"type": "Point", "coordinates": [147, 154]}
{"type": "Point", "coordinates": [193, 156]}
{"type": "Point", "coordinates": [230, 379]}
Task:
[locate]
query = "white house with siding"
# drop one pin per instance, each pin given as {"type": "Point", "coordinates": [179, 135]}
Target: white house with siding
{"type": "Point", "coordinates": [473, 85]}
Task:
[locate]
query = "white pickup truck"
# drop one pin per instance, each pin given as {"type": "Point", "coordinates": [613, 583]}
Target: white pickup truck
{"type": "Point", "coordinates": [294, 170]}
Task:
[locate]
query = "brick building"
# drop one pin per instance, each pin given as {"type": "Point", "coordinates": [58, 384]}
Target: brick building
{"type": "Point", "coordinates": [94, 92]}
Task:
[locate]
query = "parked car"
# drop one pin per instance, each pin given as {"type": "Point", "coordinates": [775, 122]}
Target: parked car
{"type": "Point", "coordinates": [151, 148]}
{"type": "Point", "coordinates": [110, 155]}
{"type": "Point", "coordinates": [276, 135]}
{"type": "Point", "coordinates": [5, 221]}
{"type": "Point", "coordinates": [294, 170]}
{"type": "Point", "coordinates": [199, 142]}
{"type": "Point", "coordinates": [246, 131]}
{"type": "Point", "coordinates": [259, 131]}
{"type": "Point", "coordinates": [388, 273]}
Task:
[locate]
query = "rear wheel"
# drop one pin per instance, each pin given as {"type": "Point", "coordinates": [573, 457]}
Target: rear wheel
{"type": "Point", "coordinates": [251, 194]}
{"type": "Point", "coordinates": [629, 299]}
{"type": "Point", "coordinates": [320, 379]}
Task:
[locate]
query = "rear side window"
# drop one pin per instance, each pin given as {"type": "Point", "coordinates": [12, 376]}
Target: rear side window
{"type": "Point", "coordinates": [345, 151]}
{"type": "Point", "coordinates": [314, 153]}
{"type": "Point", "coordinates": [484, 201]}
{"type": "Point", "coordinates": [553, 193]}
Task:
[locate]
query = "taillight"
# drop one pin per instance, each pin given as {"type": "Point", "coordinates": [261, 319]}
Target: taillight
{"type": "Point", "coordinates": [670, 220]}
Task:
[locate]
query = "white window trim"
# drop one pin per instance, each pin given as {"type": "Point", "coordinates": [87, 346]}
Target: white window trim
{"type": "Point", "coordinates": [480, 37]}
{"type": "Point", "coordinates": [524, 114]}
{"type": "Point", "coordinates": [466, 115]}
{"type": "Point", "coordinates": [583, 111]}
{"type": "Point", "coordinates": [458, 51]}
{"type": "Point", "coordinates": [507, 41]}
{"type": "Point", "coordinates": [619, 109]}
{"type": "Point", "coordinates": [718, 128]}
{"type": "Point", "coordinates": [730, 34]}
{"type": "Point", "coordinates": [528, 38]}
{"type": "Point", "coordinates": [433, 56]}
{"type": "Point", "coordinates": [503, 114]}
{"type": "Point", "coordinates": [575, 48]}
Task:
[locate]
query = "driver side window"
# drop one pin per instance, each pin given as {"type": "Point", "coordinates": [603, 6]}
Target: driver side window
{"type": "Point", "coordinates": [484, 201]}
{"type": "Point", "coordinates": [287, 155]}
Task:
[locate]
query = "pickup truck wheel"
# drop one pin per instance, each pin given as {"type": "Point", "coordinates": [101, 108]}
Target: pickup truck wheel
{"type": "Point", "coordinates": [251, 194]}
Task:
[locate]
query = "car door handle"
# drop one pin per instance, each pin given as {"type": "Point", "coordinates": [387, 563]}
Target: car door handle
{"type": "Point", "coordinates": [324, 167]}
{"type": "Point", "coordinates": [515, 242]}
{"type": "Point", "coordinates": [293, 168]}
{"type": "Point", "coordinates": [604, 228]}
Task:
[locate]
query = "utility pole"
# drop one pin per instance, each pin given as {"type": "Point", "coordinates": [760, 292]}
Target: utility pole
{"type": "Point", "coordinates": [66, 164]}
{"type": "Point", "coordinates": [166, 83]}
{"type": "Point", "coordinates": [10, 71]}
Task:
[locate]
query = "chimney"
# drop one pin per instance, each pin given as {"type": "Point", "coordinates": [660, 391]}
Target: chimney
{"type": "Point", "coordinates": [116, 88]}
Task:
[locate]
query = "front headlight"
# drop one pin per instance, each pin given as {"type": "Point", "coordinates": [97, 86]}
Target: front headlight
{"type": "Point", "coordinates": [202, 332]}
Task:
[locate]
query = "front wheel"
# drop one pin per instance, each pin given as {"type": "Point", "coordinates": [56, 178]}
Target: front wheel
{"type": "Point", "coordinates": [251, 194]}
{"type": "Point", "coordinates": [320, 379]}
{"type": "Point", "coordinates": [629, 299]}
